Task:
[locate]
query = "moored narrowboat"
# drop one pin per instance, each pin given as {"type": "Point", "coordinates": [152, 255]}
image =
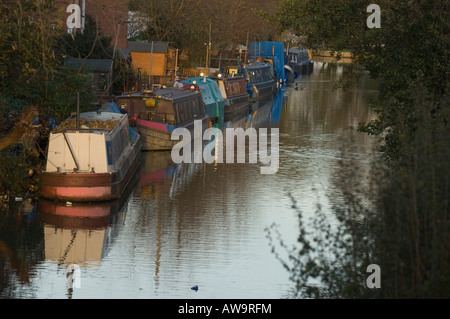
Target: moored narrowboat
{"type": "Point", "coordinates": [214, 102]}
{"type": "Point", "coordinates": [299, 60]}
{"type": "Point", "coordinates": [234, 91]}
{"type": "Point", "coordinates": [272, 53]}
{"type": "Point", "coordinates": [259, 78]}
{"type": "Point", "coordinates": [90, 158]}
{"type": "Point", "coordinates": [158, 113]}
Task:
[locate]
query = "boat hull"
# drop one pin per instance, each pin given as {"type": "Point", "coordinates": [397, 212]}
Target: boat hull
{"type": "Point", "coordinates": [304, 68]}
{"type": "Point", "coordinates": [77, 213]}
{"type": "Point", "coordinates": [89, 187]}
{"type": "Point", "coordinates": [155, 139]}
{"type": "Point", "coordinates": [237, 108]}
{"type": "Point", "coordinates": [262, 91]}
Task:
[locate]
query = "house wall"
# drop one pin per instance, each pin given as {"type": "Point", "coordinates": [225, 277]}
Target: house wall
{"type": "Point", "coordinates": [110, 15]}
{"type": "Point", "coordinates": [143, 60]}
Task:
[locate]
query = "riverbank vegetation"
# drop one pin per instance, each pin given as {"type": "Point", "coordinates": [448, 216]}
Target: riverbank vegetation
{"type": "Point", "coordinates": [33, 77]}
{"type": "Point", "coordinates": [405, 229]}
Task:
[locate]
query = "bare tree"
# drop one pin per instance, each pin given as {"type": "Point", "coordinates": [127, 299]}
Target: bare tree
{"type": "Point", "coordinates": [193, 24]}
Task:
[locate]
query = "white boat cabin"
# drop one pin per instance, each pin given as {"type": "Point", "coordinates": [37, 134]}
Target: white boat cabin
{"type": "Point", "coordinates": [98, 146]}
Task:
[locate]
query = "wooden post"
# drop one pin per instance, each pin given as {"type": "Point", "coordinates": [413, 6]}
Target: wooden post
{"type": "Point", "coordinates": [176, 64]}
{"type": "Point", "coordinates": [78, 110]}
{"type": "Point", "coordinates": [150, 72]}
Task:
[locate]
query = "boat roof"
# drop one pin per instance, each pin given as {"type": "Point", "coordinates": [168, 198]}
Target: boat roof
{"type": "Point", "coordinates": [296, 50]}
{"type": "Point", "coordinates": [257, 65]}
{"type": "Point", "coordinates": [202, 82]}
{"type": "Point", "coordinates": [209, 87]}
{"type": "Point", "coordinates": [99, 116]}
{"type": "Point", "coordinates": [134, 94]}
{"type": "Point", "coordinates": [173, 93]}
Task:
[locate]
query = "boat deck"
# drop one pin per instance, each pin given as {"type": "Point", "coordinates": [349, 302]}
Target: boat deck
{"type": "Point", "coordinates": [102, 121]}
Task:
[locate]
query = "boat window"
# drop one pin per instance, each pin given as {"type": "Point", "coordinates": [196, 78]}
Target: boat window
{"type": "Point", "coordinates": [177, 110]}
{"type": "Point", "coordinates": [181, 112]}
{"type": "Point", "coordinates": [193, 104]}
{"type": "Point", "coordinates": [184, 111]}
{"type": "Point", "coordinates": [185, 116]}
{"type": "Point", "coordinates": [200, 106]}
{"type": "Point", "coordinates": [189, 109]}
{"type": "Point", "coordinates": [267, 74]}
{"type": "Point", "coordinates": [261, 74]}
{"type": "Point", "coordinates": [109, 152]}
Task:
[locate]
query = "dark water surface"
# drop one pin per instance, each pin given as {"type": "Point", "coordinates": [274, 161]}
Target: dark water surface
{"type": "Point", "coordinates": [197, 224]}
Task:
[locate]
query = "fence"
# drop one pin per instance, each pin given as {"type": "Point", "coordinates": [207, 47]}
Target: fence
{"type": "Point", "coordinates": [159, 80]}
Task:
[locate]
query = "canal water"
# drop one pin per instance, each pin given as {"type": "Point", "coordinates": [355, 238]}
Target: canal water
{"type": "Point", "coordinates": [204, 225]}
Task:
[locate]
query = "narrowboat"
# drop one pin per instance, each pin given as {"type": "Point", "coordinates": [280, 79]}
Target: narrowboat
{"type": "Point", "coordinates": [272, 53]}
{"type": "Point", "coordinates": [260, 82]}
{"type": "Point", "coordinates": [299, 60]}
{"type": "Point", "coordinates": [233, 90]}
{"type": "Point", "coordinates": [158, 113]}
{"type": "Point", "coordinates": [91, 157]}
{"type": "Point", "coordinates": [214, 102]}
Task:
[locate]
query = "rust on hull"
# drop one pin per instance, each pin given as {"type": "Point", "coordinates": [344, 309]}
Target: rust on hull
{"type": "Point", "coordinates": [79, 213]}
{"type": "Point", "coordinates": [87, 187]}
{"type": "Point", "coordinates": [93, 161]}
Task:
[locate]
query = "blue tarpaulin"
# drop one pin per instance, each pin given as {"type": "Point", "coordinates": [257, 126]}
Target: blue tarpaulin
{"type": "Point", "coordinates": [112, 107]}
{"type": "Point", "coordinates": [270, 50]}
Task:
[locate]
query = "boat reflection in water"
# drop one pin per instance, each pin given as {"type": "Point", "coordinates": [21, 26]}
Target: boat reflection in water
{"type": "Point", "coordinates": [268, 114]}
{"type": "Point", "coordinates": [80, 234]}
{"type": "Point", "coordinates": [74, 243]}
{"type": "Point", "coordinates": [160, 176]}
{"type": "Point", "coordinates": [264, 114]}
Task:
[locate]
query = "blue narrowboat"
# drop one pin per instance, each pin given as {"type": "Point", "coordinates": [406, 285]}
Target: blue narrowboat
{"type": "Point", "coordinates": [259, 79]}
{"type": "Point", "coordinates": [299, 61]}
{"type": "Point", "coordinates": [272, 53]}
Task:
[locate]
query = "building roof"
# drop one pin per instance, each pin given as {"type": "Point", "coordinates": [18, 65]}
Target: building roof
{"type": "Point", "coordinates": [140, 46]}
{"type": "Point", "coordinates": [92, 65]}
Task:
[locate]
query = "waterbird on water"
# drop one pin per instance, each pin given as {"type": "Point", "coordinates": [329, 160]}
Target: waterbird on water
{"type": "Point", "coordinates": [296, 86]}
{"type": "Point", "coordinates": [195, 288]}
